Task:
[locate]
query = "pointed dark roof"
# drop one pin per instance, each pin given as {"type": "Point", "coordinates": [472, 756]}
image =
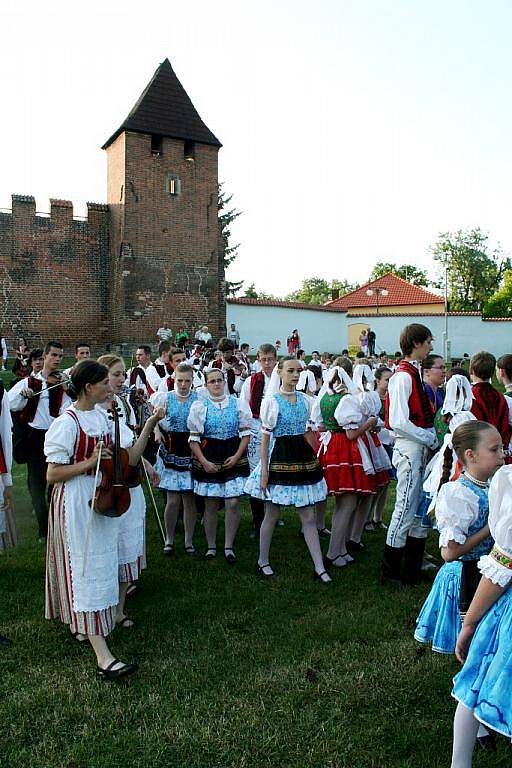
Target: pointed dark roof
{"type": "Point", "coordinates": [165, 109]}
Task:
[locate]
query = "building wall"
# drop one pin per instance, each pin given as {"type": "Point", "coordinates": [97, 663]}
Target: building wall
{"type": "Point", "coordinates": [166, 250]}
{"type": "Point", "coordinates": [320, 330]}
{"type": "Point", "coordinates": [55, 273]}
{"type": "Point", "coordinates": [432, 309]}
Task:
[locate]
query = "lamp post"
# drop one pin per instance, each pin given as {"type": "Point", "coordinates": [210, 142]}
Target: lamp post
{"type": "Point", "coordinates": [444, 263]}
{"type": "Point", "coordinates": [378, 292]}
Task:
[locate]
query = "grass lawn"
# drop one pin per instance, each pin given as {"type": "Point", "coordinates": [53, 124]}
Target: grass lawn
{"type": "Point", "coordinates": [234, 671]}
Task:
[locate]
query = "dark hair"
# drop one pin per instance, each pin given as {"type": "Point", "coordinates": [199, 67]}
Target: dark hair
{"type": "Point", "coordinates": [87, 372]}
{"type": "Point", "coordinates": [244, 345]}
{"type": "Point", "coordinates": [213, 370]}
{"type": "Point", "coordinates": [380, 371]}
{"type": "Point", "coordinates": [460, 371]}
{"type": "Point", "coordinates": [315, 352]}
{"type": "Point", "coordinates": [34, 353]}
{"type": "Point", "coordinates": [429, 362]}
{"type": "Point", "coordinates": [344, 351]}
{"type": "Point", "coordinates": [505, 363]}
{"type": "Point", "coordinates": [82, 344]}
{"type": "Point", "coordinates": [299, 352]}
{"type": "Point", "coordinates": [412, 334]}
{"type": "Point", "coordinates": [145, 347]}
{"type": "Point", "coordinates": [466, 437]}
{"type": "Point", "coordinates": [175, 351]}
{"type": "Point", "coordinates": [483, 365]}
{"type": "Point", "coordinates": [164, 346]}
{"type": "Point", "coordinates": [50, 344]}
{"type": "Point", "coordinates": [225, 345]}
{"type": "Point", "coordinates": [345, 363]}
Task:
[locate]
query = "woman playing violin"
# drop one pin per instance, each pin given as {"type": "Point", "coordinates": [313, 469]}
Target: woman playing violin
{"type": "Point", "coordinates": [82, 568]}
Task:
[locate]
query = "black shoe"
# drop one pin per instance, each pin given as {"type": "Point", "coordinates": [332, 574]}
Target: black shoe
{"type": "Point", "coordinates": [5, 642]}
{"type": "Point", "coordinates": [320, 576]}
{"type": "Point", "coordinates": [486, 743]}
{"type": "Point", "coordinates": [391, 567]}
{"type": "Point", "coordinates": [355, 546]}
{"type": "Point", "coordinates": [168, 550]}
{"type": "Point", "coordinates": [230, 558]}
{"type": "Point", "coordinates": [261, 572]}
{"type": "Point", "coordinates": [115, 674]}
{"type": "Point", "coordinates": [328, 562]}
{"type": "Point", "coordinates": [81, 639]}
{"type": "Point", "coordinates": [190, 550]}
{"type": "Point", "coordinates": [324, 532]}
{"type": "Point", "coordinates": [132, 590]}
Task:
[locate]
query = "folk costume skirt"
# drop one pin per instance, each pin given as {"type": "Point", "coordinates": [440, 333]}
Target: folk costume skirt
{"type": "Point", "coordinates": [174, 463]}
{"type": "Point", "coordinates": [295, 475]}
{"type": "Point", "coordinates": [228, 482]}
{"type": "Point", "coordinates": [342, 465]}
{"type": "Point", "coordinates": [439, 622]}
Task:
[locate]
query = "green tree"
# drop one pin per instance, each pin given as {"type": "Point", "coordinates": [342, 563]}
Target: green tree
{"type": "Point", "coordinates": [227, 216]}
{"type": "Point", "coordinates": [474, 270]}
{"type": "Point", "coordinates": [500, 303]}
{"type": "Point", "coordinates": [251, 292]}
{"type": "Point", "coordinates": [408, 272]}
{"type": "Point", "coordinates": [316, 290]}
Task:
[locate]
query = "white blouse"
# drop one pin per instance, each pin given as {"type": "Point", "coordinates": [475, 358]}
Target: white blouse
{"type": "Point", "coordinates": [456, 511]}
{"type": "Point", "coordinates": [270, 411]}
{"type": "Point", "coordinates": [197, 416]}
{"type": "Point", "coordinates": [500, 523]}
{"type": "Point", "coordinates": [347, 414]}
{"type": "Point", "coordinates": [60, 440]}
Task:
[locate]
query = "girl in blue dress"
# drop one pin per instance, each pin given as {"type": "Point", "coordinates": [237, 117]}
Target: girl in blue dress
{"type": "Point", "coordinates": [289, 473]}
{"type": "Point", "coordinates": [484, 646]}
{"type": "Point", "coordinates": [174, 458]}
{"type": "Point", "coordinates": [220, 430]}
{"type": "Point", "coordinates": [461, 510]}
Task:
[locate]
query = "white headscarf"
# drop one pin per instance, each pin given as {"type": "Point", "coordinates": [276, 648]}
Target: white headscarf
{"type": "Point", "coordinates": [459, 395]}
{"type": "Point", "coordinates": [347, 382]}
{"type": "Point", "coordinates": [359, 372]}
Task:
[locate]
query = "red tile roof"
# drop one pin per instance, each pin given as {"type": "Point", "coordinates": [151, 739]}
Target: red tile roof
{"type": "Point", "coordinates": [285, 304]}
{"type": "Point", "coordinates": [400, 293]}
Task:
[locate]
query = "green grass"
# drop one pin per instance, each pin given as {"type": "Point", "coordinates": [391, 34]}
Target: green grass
{"type": "Point", "coordinates": [234, 671]}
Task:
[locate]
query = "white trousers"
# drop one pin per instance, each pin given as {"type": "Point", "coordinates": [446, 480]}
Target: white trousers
{"type": "Point", "coordinates": [409, 460]}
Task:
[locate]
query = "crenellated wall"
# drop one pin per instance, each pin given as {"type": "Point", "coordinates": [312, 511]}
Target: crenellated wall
{"type": "Point", "coordinates": [55, 273]}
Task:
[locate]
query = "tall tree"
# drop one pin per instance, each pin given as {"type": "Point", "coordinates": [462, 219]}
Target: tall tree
{"type": "Point", "coordinates": [500, 303]}
{"type": "Point", "coordinates": [475, 270]}
{"type": "Point", "coordinates": [316, 290]}
{"type": "Point", "coordinates": [227, 216]}
{"type": "Point", "coordinates": [408, 272]}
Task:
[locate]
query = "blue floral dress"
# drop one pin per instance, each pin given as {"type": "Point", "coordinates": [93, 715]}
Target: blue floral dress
{"type": "Point", "coordinates": [174, 459]}
{"type": "Point", "coordinates": [295, 475]}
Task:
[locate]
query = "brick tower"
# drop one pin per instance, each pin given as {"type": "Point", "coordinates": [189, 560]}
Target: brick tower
{"type": "Point", "coordinates": [166, 250]}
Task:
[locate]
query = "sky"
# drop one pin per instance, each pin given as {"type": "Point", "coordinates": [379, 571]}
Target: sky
{"type": "Point", "coordinates": [353, 131]}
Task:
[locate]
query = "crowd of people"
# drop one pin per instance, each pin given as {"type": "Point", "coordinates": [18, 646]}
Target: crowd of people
{"type": "Point", "coordinates": [208, 425]}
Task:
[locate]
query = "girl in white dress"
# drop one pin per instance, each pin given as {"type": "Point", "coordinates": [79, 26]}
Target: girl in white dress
{"type": "Point", "coordinates": [82, 563]}
{"type": "Point", "coordinates": [220, 430]}
{"type": "Point", "coordinates": [174, 459]}
{"type": "Point", "coordinates": [132, 538]}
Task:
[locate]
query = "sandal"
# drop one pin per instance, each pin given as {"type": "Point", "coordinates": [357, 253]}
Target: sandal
{"type": "Point", "coordinates": [115, 674]}
{"type": "Point", "coordinates": [132, 590]}
{"type": "Point", "coordinates": [334, 561]}
{"type": "Point", "coordinates": [324, 532]}
{"type": "Point", "coordinates": [231, 558]}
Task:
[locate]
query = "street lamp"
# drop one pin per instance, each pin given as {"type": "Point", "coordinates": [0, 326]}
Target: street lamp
{"type": "Point", "coordinates": [378, 292]}
{"type": "Point", "coordinates": [444, 263]}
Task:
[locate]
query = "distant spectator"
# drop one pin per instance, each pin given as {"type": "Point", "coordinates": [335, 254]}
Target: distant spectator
{"type": "Point", "coordinates": [372, 337]}
{"type": "Point", "coordinates": [164, 333]}
{"type": "Point", "coordinates": [3, 351]}
{"type": "Point", "coordinates": [204, 337]}
{"type": "Point", "coordinates": [293, 342]}
{"type": "Point", "coordinates": [234, 336]}
{"type": "Point", "coordinates": [363, 341]}
{"type": "Point", "coordinates": [181, 337]}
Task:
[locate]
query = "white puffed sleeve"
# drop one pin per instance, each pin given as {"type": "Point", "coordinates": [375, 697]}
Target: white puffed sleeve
{"type": "Point", "coordinates": [370, 404]}
{"type": "Point", "coordinates": [196, 419]}
{"type": "Point", "coordinates": [6, 437]}
{"type": "Point", "coordinates": [269, 413]}
{"type": "Point", "coordinates": [244, 418]}
{"type": "Point", "coordinates": [497, 566]}
{"type": "Point", "coordinates": [316, 414]}
{"type": "Point", "coordinates": [456, 511]}
{"type": "Point", "coordinates": [348, 412]}
{"type": "Point", "coordinates": [60, 439]}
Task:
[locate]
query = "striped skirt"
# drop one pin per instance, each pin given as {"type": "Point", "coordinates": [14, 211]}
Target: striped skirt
{"type": "Point", "coordinates": [59, 582]}
{"type": "Point", "coordinates": [8, 538]}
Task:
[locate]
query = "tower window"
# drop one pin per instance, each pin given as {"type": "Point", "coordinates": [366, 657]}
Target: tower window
{"type": "Point", "coordinates": [173, 184]}
{"type": "Point", "coordinates": [156, 144]}
{"type": "Point", "coordinates": [189, 148]}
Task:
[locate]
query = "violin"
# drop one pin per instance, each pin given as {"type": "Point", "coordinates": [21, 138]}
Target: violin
{"type": "Point", "coordinates": [117, 476]}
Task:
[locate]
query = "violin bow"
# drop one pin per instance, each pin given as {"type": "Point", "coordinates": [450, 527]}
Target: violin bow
{"type": "Point", "coordinates": [59, 384]}
{"type": "Point", "coordinates": [91, 511]}
{"type": "Point", "coordinates": [150, 489]}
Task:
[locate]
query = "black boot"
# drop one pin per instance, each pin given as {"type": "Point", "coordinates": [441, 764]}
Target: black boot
{"type": "Point", "coordinates": [391, 567]}
{"type": "Point", "coordinates": [413, 560]}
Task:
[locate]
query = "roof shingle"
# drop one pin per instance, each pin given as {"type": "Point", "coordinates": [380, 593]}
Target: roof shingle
{"type": "Point", "coordinates": [165, 109]}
